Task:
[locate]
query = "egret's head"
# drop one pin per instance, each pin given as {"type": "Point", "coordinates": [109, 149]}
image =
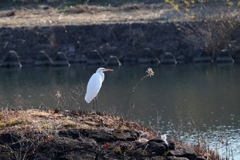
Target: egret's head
{"type": "Point", "coordinates": [103, 69]}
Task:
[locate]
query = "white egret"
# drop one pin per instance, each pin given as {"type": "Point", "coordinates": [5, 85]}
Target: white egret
{"type": "Point", "coordinates": [94, 85]}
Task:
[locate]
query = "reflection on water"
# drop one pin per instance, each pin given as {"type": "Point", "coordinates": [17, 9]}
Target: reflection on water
{"type": "Point", "coordinates": [196, 99]}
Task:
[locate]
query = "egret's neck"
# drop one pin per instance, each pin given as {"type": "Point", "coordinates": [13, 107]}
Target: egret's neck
{"type": "Point", "coordinates": [102, 76]}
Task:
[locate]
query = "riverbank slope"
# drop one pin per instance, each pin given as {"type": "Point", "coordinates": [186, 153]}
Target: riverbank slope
{"type": "Point", "coordinates": [123, 31]}
{"type": "Point", "coordinates": [54, 134]}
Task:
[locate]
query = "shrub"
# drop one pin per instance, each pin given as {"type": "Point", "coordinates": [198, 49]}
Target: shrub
{"type": "Point", "coordinates": [206, 24]}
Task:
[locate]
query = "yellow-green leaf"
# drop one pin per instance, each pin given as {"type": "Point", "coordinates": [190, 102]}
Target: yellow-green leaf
{"type": "Point", "coordinates": [186, 2]}
{"type": "Point", "coordinates": [230, 3]}
{"type": "Point", "coordinates": [175, 6]}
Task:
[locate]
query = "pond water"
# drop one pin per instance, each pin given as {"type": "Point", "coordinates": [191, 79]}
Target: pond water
{"type": "Point", "coordinates": [191, 102]}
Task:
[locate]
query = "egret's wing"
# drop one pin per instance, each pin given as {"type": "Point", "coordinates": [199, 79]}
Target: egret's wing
{"type": "Point", "coordinates": [93, 87]}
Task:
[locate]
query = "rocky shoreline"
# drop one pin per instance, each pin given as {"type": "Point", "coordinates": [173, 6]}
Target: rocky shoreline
{"type": "Point", "coordinates": [127, 43]}
{"type": "Point", "coordinates": [84, 135]}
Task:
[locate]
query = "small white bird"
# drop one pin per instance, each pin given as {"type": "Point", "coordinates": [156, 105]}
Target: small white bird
{"type": "Point", "coordinates": [94, 85]}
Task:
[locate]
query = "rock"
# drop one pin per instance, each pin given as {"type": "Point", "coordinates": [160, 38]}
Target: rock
{"type": "Point", "coordinates": [150, 158]}
{"type": "Point", "coordinates": [113, 61]}
{"type": "Point", "coordinates": [78, 154]}
{"type": "Point", "coordinates": [80, 59]}
{"type": "Point", "coordinates": [224, 57]}
{"type": "Point", "coordinates": [42, 59]}
{"type": "Point", "coordinates": [236, 56]}
{"type": "Point", "coordinates": [201, 56]}
{"type": "Point", "coordinates": [183, 152]}
{"type": "Point", "coordinates": [43, 7]}
{"type": "Point", "coordinates": [125, 135]}
{"type": "Point", "coordinates": [8, 138]}
{"type": "Point", "coordinates": [94, 58]}
{"type": "Point", "coordinates": [200, 158]}
{"type": "Point", "coordinates": [29, 61]}
{"type": "Point", "coordinates": [71, 57]}
{"type": "Point", "coordinates": [107, 49]}
{"type": "Point", "coordinates": [9, 157]}
{"type": "Point", "coordinates": [143, 134]}
{"type": "Point", "coordinates": [77, 59]}
{"type": "Point", "coordinates": [92, 144]}
{"type": "Point", "coordinates": [133, 58]}
{"type": "Point", "coordinates": [170, 141]}
{"type": "Point", "coordinates": [175, 158]}
{"type": "Point", "coordinates": [22, 146]}
{"type": "Point", "coordinates": [76, 134]}
{"type": "Point", "coordinates": [168, 58]}
{"type": "Point", "coordinates": [181, 59]}
{"type": "Point", "coordinates": [7, 13]}
{"type": "Point", "coordinates": [158, 139]}
{"type": "Point", "coordinates": [146, 56]}
{"type": "Point", "coordinates": [71, 49]}
{"type": "Point", "coordinates": [61, 147]}
{"type": "Point", "coordinates": [73, 133]}
{"type": "Point", "coordinates": [64, 48]}
{"type": "Point", "coordinates": [98, 135]}
{"type": "Point", "coordinates": [60, 144]}
{"type": "Point", "coordinates": [128, 59]}
{"type": "Point", "coordinates": [156, 148]}
{"type": "Point", "coordinates": [108, 157]}
{"type": "Point", "coordinates": [83, 59]}
{"type": "Point", "coordinates": [41, 156]}
{"type": "Point", "coordinates": [11, 60]}
{"type": "Point", "coordinates": [60, 60]}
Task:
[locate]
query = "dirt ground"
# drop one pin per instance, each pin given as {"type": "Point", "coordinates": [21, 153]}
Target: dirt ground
{"type": "Point", "coordinates": [45, 15]}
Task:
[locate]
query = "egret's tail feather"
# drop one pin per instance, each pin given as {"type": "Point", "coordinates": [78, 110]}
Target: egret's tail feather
{"type": "Point", "coordinates": [87, 99]}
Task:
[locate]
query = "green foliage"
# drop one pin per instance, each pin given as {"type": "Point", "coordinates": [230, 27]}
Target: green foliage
{"type": "Point", "coordinates": [1, 116]}
{"type": "Point", "coordinates": [45, 125]}
{"type": "Point", "coordinates": [118, 150]}
{"type": "Point", "coordinates": [14, 122]}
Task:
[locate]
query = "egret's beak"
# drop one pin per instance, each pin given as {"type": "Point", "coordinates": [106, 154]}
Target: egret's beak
{"type": "Point", "coordinates": [108, 70]}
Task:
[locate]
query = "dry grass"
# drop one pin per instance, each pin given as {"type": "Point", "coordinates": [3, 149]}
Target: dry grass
{"type": "Point", "coordinates": [202, 150]}
{"type": "Point", "coordinates": [84, 14]}
{"type": "Point", "coordinates": [35, 119]}
{"type": "Point", "coordinates": [43, 15]}
{"type": "Point", "coordinates": [49, 121]}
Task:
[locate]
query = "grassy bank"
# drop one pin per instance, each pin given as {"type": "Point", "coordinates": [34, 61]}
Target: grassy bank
{"type": "Point", "coordinates": [49, 122]}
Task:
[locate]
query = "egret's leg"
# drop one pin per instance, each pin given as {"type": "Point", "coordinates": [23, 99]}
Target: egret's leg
{"type": "Point", "coordinates": [93, 104]}
{"type": "Point", "coordinates": [97, 103]}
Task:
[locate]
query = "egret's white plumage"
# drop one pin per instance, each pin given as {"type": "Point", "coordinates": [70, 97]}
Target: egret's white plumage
{"type": "Point", "coordinates": [94, 84]}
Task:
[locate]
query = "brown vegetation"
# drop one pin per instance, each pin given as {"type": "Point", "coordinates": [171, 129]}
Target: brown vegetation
{"type": "Point", "coordinates": [49, 122]}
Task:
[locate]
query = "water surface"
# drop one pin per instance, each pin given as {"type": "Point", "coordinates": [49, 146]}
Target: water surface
{"type": "Point", "coordinates": [190, 101]}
